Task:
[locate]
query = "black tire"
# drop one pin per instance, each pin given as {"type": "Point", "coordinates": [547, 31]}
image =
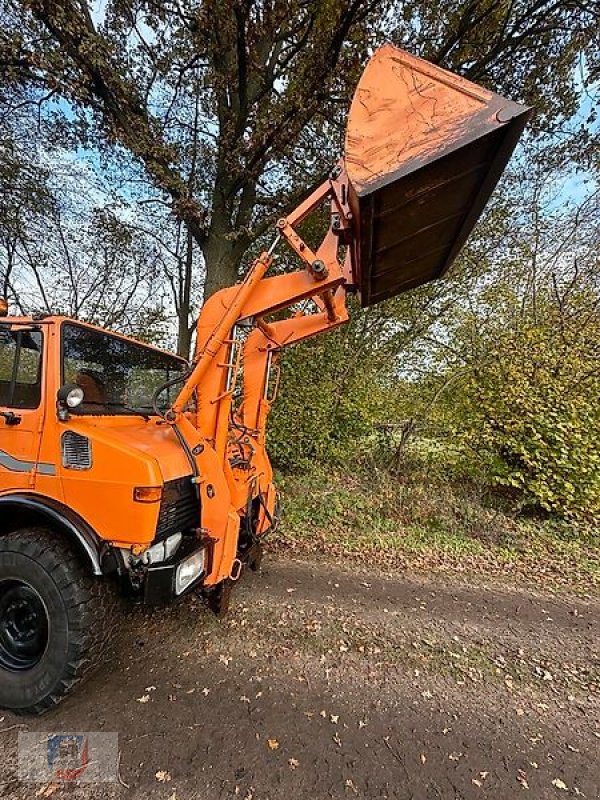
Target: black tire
{"type": "Point", "coordinates": [56, 620]}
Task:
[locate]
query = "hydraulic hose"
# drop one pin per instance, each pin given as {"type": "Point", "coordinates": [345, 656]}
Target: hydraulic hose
{"type": "Point", "coordinates": [181, 438]}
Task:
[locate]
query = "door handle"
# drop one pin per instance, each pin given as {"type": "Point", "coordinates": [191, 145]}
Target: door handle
{"type": "Point", "coordinates": [10, 417]}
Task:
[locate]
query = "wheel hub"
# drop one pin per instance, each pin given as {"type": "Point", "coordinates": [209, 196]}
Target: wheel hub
{"type": "Point", "coordinates": [23, 626]}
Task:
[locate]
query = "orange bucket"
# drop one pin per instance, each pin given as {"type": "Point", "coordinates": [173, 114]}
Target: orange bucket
{"type": "Point", "coordinates": [424, 151]}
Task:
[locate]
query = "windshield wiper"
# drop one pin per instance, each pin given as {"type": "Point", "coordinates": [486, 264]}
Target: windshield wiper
{"type": "Point", "coordinates": [138, 412]}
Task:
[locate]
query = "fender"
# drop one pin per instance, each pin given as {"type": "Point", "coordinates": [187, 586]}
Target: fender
{"type": "Point", "coordinates": [85, 539]}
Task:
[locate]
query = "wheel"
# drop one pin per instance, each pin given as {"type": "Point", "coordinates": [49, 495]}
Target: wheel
{"type": "Point", "coordinates": [55, 620]}
{"type": "Point", "coordinates": [257, 557]}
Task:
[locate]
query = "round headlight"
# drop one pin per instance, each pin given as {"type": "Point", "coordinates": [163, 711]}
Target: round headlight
{"type": "Point", "coordinates": [74, 397]}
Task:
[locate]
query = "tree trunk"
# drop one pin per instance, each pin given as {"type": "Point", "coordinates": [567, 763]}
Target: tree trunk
{"type": "Point", "coordinates": [184, 332]}
{"type": "Point", "coordinates": [223, 250]}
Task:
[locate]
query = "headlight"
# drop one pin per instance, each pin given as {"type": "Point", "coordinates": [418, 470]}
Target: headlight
{"type": "Point", "coordinates": [188, 571]}
{"type": "Point", "coordinates": [75, 397]}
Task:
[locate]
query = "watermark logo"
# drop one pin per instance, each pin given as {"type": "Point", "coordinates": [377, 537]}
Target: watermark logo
{"type": "Point", "coordinates": [68, 756]}
{"type": "Point", "coordinates": [90, 757]}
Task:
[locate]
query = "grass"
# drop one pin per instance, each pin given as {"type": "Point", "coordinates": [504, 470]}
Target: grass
{"type": "Point", "coordinates": [423, 521]}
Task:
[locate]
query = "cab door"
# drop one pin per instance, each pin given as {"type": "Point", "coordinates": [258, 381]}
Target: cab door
{"type": "Point", "coordinates": [21, 406]}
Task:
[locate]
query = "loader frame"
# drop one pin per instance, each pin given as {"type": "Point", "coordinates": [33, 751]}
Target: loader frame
{"type": "Point", "coordinates": [226, 445]}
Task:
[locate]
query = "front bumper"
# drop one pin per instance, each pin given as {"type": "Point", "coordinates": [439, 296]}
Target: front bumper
{"type": "Point", "coordinates": [163, 582]}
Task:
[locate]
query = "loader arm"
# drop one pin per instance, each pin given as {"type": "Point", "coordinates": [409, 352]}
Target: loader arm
{"type": "Point", "coordinates": [424, 149]}
{"type": "Point", "coordinates": [322, 282]}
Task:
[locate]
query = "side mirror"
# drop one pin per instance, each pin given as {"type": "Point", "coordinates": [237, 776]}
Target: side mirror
{"type": "Point", "coordinates": [69, 397]}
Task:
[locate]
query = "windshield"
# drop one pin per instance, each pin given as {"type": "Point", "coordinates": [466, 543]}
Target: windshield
{"type": "Point", "coordinates": [117, 376]}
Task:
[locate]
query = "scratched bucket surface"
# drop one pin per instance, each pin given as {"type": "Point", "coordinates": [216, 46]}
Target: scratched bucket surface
{"type": "Point", "coordinates": [424, 151]}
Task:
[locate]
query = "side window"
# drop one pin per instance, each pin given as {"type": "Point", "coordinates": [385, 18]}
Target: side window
{"type": "Point", "coordinates": [8, 349]}
{"type": "Point", "coordinates": [20, 368]}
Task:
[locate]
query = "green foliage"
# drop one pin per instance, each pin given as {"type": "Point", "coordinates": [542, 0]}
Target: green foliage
{"type": "Point", "coordinates": [515, 401]}
{"type": "Point", "coordinates": [329, 401]}
{"type": "Point", "coordinates": [493, 374]}
{"type": "Point", "coordinates": [531, 407]}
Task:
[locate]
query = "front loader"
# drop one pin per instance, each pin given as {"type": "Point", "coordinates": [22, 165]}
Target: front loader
{"type": "Point", "coordinates": [123, 469]}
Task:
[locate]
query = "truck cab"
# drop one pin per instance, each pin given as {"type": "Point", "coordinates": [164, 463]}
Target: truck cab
{"type": "Point", "coordinates": [80, 438]}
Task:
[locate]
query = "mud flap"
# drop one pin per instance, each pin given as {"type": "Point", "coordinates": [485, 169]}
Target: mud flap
{"type": "Point", "coordinates": [218, 598]}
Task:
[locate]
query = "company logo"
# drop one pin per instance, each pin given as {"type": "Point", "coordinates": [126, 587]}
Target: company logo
{"type": "Point", "coordinates": [68, 756]}
{"type": "Point", "coordinates": [73, 757]}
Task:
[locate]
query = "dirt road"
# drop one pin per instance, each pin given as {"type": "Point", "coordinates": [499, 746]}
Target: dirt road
{"type": "Point", "coordinates": [324, 682]}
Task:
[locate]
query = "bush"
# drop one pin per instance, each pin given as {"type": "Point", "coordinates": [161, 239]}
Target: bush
{"type": "Point", "coordinates": [529, 409]}
{"type": "Point", "coordinates": [329, 401]}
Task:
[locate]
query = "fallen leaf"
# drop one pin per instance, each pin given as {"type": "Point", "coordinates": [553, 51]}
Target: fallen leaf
{"type": "Point", "coordinates": [47, 790]}
{"type": "Point", "coordinates": [163, 776]}
{"type": "Point", "coordinates": [334, 719]}
{"type": "Point", "coordinates": [560, 784]}
{"type": "Point", "coordinates": [479, 781]}
{"type": "Point", "coordinates": [522, 779]}
{"type": "Point", "coordinates": [273, 744]}
{"type": "Point", "coordinates": [294, 763]}
{"type": "Point", "coordinates": [423, 758]}
{"type": "Point", "coordinates": [145, 698]}
{"type": "Point", "coordinates": [150, 689]}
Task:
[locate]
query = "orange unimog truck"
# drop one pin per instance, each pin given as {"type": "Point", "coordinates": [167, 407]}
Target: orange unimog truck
{"type": "Point", "coordinates": [125, 469]}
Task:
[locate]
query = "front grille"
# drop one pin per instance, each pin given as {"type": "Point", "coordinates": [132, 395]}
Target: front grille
{"type": "Point", "coordinates": [76, 451]}
{"type": "Point", "coordinates": [179, 508]}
